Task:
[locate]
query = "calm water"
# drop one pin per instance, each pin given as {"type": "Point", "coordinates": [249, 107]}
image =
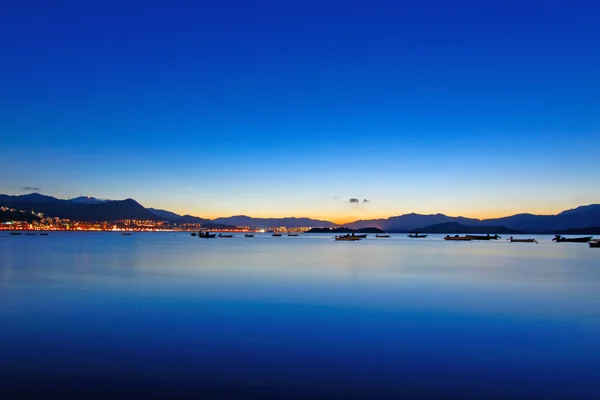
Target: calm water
{"type": "Point", "coordinates": [170, 315]}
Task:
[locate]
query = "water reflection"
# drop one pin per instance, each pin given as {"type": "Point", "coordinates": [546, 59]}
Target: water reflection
{"type": "Point", "coordinates": [305, 317]}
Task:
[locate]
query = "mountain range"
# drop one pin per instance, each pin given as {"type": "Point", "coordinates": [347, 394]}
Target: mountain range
{"type": "Point", "coordinates": [86, 208]}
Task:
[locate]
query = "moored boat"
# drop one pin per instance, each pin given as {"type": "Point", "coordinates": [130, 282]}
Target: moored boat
{"type": "Point", "coordinates": [276, 234]}
{"type": "Point", "coordinates": [483, 237]}
{"type": "Point", "coordinates": [561, 239]}
{"type": "Point", "coordinates": [348, 238]}
{"type": "Point", "coordinates": [292, 234]}
{"type": "Point", "coordinates": [126, 233]}
{"type": "Point", "coordinates": [382, 236]}
{"type": "Point", "coordinates": [30, 234]}
{"type": "Point", "coordinates": [194, 234]}
{"type": "Point", "coordinates": [595, 243]}
{"type": "Point", "coordinates": [360, 236]}
{"type": "Point", "coordinates": [43, 234]}
{"type": "Point", "coordinates": [513, 240]}
{"type": "Point", "coordinates": [459, 238]}
{"type": "Point", "coordinates": [225, 236]}
{"type": "Point", "coordinates": [15, 233]}
{"type": "Point", "coordinates": [207, 235]}
{"type": "Point", "coordinates": [249, 235]}
{"type": "Point", "coordinates": [416, 236]}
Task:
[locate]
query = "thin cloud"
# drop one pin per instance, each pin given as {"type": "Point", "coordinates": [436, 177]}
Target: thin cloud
{"type": "Point", "coordinates": [30, 188]}
{"type": "Point", "coordinates": [354, 200]}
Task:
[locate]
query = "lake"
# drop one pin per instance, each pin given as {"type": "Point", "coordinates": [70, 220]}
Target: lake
{"type": "Point", "coordinates": [167, 315]}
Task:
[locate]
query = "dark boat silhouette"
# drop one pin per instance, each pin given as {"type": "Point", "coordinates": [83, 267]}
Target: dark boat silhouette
{"type": "Point", "coordinates": [559, 239]}
{"type": "Point", "coordinates": [126, 233]}
{"type": "Point", "coordinates": [43, 234]}
{"type": "Point", "coordinates": [249, 235]}
{"type": "Point", "coordinates": [225, 236]}
{"type": "Point", "coordinates": [194, 234]}
{"type": "Point", "coordinates": [416, 235]}
{"type": "Point", "coordinates": [292, 234]}
{"type": "Point", "coordinates": [15, 233]}
{"type": "Point", "coordinates": [458, 238]}
{"type": "Point", "coordinates": [348, 238]}
{"type": "Point", "coordinates": [382, 236]}
{"type": "Point", "coordinates": [595, 243]}
{"type": "Point", "coordinates": [276, 234]}
{"type": "Point", "coordinates": [483, 237]}
{"type": "Point", "coordinates": [513, 240]}
{"type": "Point", "coordinates": [207, 235]}
{"type": "Point", "coordinates": [30, 234]}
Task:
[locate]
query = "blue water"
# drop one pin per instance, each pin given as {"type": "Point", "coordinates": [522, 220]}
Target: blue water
{"type": "Point", "coordinates": [168, 315]}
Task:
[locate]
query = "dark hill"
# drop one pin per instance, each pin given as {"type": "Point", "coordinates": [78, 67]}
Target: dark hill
{"type": "Point", "coordinates": [87, 200]}
{"type": "Point", "coordinates": [594, 230]}
{"type": "Point", "coordinates": [344, 229]}
{"type": "Point", "coordinates": [52, 207]}
{"type": "Point", "coordinates": [455, 227]}
{"type": "Point", "coordinates": [580, 217]}
{"type": "Point", "coordinates": [7, 216]}
{"type": "Point", "coordinates": [290, 222]}
{"type": "Point", "coordinates": [190, 219]}
{"type": "Point", "coordinates": [167, 215]}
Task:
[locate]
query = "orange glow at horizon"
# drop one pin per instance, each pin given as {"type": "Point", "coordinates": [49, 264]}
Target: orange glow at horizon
{"type": "Point", "coordinates": [346, 219]}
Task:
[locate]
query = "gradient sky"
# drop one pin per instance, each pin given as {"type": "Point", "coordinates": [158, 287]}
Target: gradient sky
{"type": "Point", "coordinates": [277, 108]}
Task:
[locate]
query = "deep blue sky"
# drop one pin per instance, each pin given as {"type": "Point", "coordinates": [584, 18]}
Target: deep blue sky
{"type": "Point", "coordinates": [275, 108]}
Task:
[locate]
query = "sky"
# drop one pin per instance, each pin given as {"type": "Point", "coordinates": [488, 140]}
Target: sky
{"type": "Point", "coordinates": [292, 108]}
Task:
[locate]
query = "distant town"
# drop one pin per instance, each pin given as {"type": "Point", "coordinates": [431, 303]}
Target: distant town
{"type": "Point", "coordinates": [32, 221]}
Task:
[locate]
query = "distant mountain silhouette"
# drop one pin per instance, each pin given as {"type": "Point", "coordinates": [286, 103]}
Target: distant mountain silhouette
{"type": "Point", "coordinates": [107, 211]}
{"type": "Point", "coordinates": [455, 227]}
{"type": "Point", "coordinates": [580, 217]}
{"type": "Point", "coordinates": [90, 209]}
{"type": "Point", "coordinates": [88, 200]}
{"type": "Point", "coordinates": [290, 222]}
{"type": "Point", "coordinates": [190, 219]}
{"type": "Point", "coordinates": [167, 215]}
{"type": "Point", "coordinates": [593, 230]}
{"type": "Point", "coordinates": [411, 222]}
{"type": "Point", "coordinates": [344, 229]}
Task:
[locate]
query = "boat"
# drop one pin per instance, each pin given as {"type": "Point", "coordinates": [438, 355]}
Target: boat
{"type": "Point", "coordinates": [15, 233]}
{"type": "Point", "coordinates": [595, 243]}
{"type": "Point", "coordinates": [360, 236]}
{"type": "Point", "coordinates": [348, 238]}
{"type": "Point", "coordinates": [225, 236]}
{"type": "Point", "coordinates": [276, 234]}
{"type": "Point", "coordinates": [456, 237]}
{"type": "Point", "coordinates": [126, 233]}
{"type": "Point", "coordinates": [249, 235]}
{"type": "Point", "coordinates": [483, 237]}
{"type": "Point", "coordinates": [292, 234]}
{"type": "Point", "coordinates": [416, 235]}
{"type": "Point", "coordinates": [194, 234]}
{"type": "Point", "coordinates": [43, 234]}
{"type": "Point", "coordinates": [207, 235]}
{"type": "Point", "coordinates": [513, 240]}
{"type": "Point", "coordinates": [559, 239]}
{"type": "Point", "coordinates": [30, 234]}
{"type": "Point", "coordinates": [382, 236]}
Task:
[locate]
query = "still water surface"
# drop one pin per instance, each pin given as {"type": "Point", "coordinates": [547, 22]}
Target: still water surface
{"type": "Point", "coordinates": [170, 315]}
